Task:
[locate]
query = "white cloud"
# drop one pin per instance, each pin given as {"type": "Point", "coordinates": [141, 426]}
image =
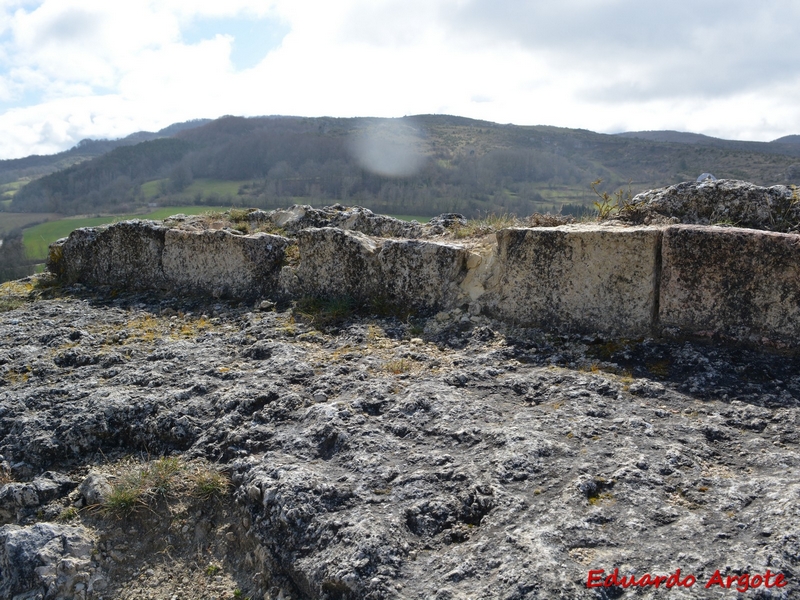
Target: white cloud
{"type": "Point", "coordinates": [71, 69]}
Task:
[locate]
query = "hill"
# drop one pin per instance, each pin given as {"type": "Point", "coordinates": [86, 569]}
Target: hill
{"type": "Point", "coordinates": [423, 165]}
{"type": "Point", "coordinates": [37, 165]}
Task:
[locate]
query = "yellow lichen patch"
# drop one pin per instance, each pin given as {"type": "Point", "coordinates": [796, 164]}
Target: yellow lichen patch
{"type": "Point", "coordinates": [16, 376]}
{"type": "Point", "coordinates": [146, 328]}
{"type": "Point", "coordinates": [399, 366]}
{"type": "Point", "coordinates": [600, 498]}
{"type": "Point", "coordinates": [191, 328]}
{"type": "Point", "coordinates": [14, 294]}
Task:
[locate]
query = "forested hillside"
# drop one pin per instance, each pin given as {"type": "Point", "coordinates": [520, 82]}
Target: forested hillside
{"type": "Point", "coordinates": [422, 165]}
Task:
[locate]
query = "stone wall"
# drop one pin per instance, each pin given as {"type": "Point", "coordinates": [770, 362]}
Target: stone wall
{"type": "Point", "coordinates": [631, 281]}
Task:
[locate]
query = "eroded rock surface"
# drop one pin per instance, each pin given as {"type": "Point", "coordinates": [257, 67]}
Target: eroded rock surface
{"type": "Point", "coordinates": [724, 201]}
{"type": "Point", "coordinates": [353, 218]}
{"type": "Point", "coordinates": [454, 457]}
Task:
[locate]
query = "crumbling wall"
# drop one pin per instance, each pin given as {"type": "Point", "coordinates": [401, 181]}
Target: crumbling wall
{"type": "Point", "coordinates": [630, 281]}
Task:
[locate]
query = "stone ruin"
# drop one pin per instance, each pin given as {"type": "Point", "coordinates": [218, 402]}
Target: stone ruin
{"type": "Point", "coordinates": [671, 271]}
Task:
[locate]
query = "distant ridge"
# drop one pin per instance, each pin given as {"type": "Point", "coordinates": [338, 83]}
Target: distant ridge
{"type": "Point", "coordinates": [677, 137]}
{"type": "Point", "coordinates": [787, 145]}
{"type": "Point", "coordinates": [787, 139]}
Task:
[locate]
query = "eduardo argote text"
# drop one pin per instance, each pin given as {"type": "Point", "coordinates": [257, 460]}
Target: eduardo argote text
{"type": "Point", "coordinates": [599, 578]}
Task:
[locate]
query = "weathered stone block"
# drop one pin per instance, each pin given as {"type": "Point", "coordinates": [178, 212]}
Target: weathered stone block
{"type": "Point", "coordinates": [578, 277]}
{"type": "Point", "coordinates": [740, 284]}
{"type": "Point", "coordinates": [334, 262]}
{"type": "Point", "coordinates": [126, 255]}
{"type": "Point", "coordinates": [222, 264]}
{"type": "Point", "coordinates": [419, 274]}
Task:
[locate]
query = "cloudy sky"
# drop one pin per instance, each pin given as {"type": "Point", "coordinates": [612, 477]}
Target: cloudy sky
{"type": "Point", "coordinates": [72, 69]}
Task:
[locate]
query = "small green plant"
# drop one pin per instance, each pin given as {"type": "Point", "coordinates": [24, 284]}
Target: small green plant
{"type": "Point", "coordinates": [621, 203]}
{"type": "Point", "coordinates": [325, 311]}
{"type": "Point", "coordinates": [68, 514]}
{"type": "Point", "coordinates": [416, 330]}
{"type": "Point", "coordinates": [212, 569]}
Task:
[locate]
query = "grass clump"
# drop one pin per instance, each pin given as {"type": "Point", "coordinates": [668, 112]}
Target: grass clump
{"type": "Point", "coordinates": [208, 483]}
{"type": "Point", "coordinates": [141, 486]}
{"type": "Point", "coordinates": [323, 312]}
{"type": "Point", "coordinates": [397, 367]}
{"type": "Point", "coordinates": [163, 474]}
{"type": "Point", "coordinates": [486, 225]}
{"type": "Point", "coordinates": [125, 498]}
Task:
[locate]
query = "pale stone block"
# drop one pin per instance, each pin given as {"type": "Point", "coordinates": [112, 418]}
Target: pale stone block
{"type": "Point", "coordinates": [413, 273]}
{"type": "Point", "coordinates": [222, 264]}
{"type": "Point", "coordinates": [739, 284]}
{"type": "Point", "coordinates": [125, 255]}
{"type": "Point", "coordinates": [578, 278]}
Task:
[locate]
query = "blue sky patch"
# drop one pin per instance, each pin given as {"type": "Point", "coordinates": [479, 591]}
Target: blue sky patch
{"type": "Point", "coordinates": [253, 38]}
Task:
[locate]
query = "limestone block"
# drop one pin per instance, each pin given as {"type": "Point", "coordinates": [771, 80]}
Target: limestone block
{"type": "Point", "coordinates": [420, 274]}
{"type": "Point", "coordinates": [334, 262]}
{"type": "Point", "coordinates": [222, 264]}
{"type": "Point", "coordinates": [741, 284]}
{"type": "Point", "coordinates": [125, 255]}
{"type": "Point", "coordinates": [578, 277]}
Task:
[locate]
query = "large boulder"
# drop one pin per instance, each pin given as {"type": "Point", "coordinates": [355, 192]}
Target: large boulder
{"type": "Point", "coordinates": [724, 201]}
{"type": "Point", "coordinates": [47, 561]}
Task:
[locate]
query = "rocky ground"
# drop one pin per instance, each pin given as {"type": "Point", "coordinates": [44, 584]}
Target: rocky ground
{"type": "Point", "coordinates": [370, 457]}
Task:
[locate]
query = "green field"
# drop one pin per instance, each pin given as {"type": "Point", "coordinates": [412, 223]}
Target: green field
{"type": "Point", "coordinates": [37, 239]}
{"type": "Point", "coordinates": [10, 221]}
{"type": "Point", "coordinates": [199, 189]}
